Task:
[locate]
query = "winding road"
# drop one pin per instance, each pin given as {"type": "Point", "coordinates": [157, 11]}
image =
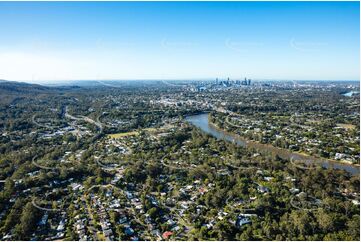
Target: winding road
{"type": "Point", "coordinates": [45, 209]}
{"type": "Point", "coordinates": [84, 118]}
{"type": "Point", "coordinates": [40, 125]}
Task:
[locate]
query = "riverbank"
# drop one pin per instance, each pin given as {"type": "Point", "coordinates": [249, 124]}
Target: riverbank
{"type": "Point", "coordinates": [202, 121]}
{"type": "Point", "coordinates": [269, 146]}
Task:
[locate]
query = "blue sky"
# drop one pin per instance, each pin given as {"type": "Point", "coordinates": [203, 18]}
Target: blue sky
{"type": "Point", "coordinates": [179, 40]}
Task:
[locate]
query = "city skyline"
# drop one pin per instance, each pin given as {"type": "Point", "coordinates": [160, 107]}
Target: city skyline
{"type": "Point", "coordinates": [179, 40]}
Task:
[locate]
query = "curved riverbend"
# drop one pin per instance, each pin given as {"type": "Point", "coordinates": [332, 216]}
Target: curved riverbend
{"type": "Point", "coordinates": [201, 121]}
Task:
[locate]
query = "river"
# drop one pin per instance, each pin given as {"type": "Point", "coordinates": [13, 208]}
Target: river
{"type": "Point", "coordinates": [201, 121]}
{"type": "Point", "coordinates": [350, 93]}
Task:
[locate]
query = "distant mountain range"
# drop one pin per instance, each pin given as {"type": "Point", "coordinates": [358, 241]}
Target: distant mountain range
{"type": "Point", "coordinates": [12, 87]}
{"type": "Point", "coordinates": [11, 91]}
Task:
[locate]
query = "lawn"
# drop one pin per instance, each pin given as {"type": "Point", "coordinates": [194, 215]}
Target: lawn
{"type": "Point", "coordinates": [125, 134]}
{"type": "Point", "coordinates": [281, 117]}
{"type": "Point", "coordinates": [346, 126]}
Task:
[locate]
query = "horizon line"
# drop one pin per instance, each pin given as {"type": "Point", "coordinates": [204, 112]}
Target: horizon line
{"type": "Point", "coordinates": [178, 79]}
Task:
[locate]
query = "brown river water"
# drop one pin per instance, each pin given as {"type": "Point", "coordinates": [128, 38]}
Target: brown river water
{"type": "Point", "coordinates": [201, 121]}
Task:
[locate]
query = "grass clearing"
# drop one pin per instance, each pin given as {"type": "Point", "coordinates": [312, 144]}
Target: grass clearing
{"type": "Point", "coordinates": [131, 133]}
{"type": "Point", "coordinates": [346, 126]}
{"type": "Point", "coordinates": [121, 135]}
{"type": "Point", "coordinates": [281, 117]}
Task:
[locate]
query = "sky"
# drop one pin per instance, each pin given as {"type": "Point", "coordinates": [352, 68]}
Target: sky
{"type": "Point", "coordinates": [51, 41]}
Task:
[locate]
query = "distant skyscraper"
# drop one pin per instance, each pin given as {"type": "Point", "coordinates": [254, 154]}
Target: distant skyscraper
{"type": "Point", "coordinates": [245, 81]}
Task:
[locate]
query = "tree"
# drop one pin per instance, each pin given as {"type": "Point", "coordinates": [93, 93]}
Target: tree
{"type": "Point", "coordinates": [8, 188]}
{"type": "Point", "coordinates": [153, 212]}
{"type": "Point", "coordinates": [28, 220]}
{"type": "Point", "coordinates": [70, 233]}
{"type": "Point", "coordinates": [353, 227]}
{"type": "Point", "coordinates": [325, 221]}
{"type": "Point", "coordinates": [13, 216]}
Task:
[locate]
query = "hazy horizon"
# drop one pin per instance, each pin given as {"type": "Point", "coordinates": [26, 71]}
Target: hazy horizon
{"type": "Point", "coordinates": [60, 82]}
{"type": "Point", "coordinates": [53, 41]}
